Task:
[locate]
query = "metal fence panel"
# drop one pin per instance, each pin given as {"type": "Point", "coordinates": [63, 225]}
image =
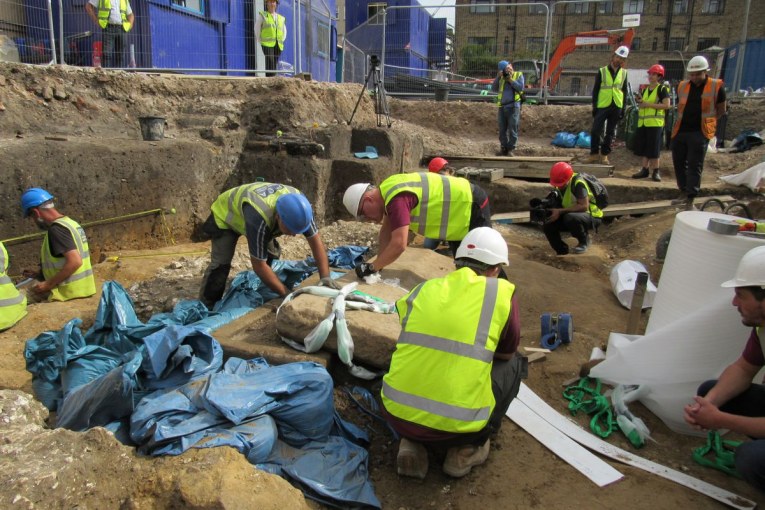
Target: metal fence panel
{"type": "Point", "coordinates": [26, 31]}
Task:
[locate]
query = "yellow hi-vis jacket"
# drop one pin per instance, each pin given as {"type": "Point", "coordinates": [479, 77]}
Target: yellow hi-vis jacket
{"type": "Point", "coordinates": [440, 373]}
{"type": "Point", "coordinates": [13, 304]}
{"type": "Point", "coordinates": [569, 199]}
{"type": "Point", "coordinates": [105, 8]}
{"type": "Point", "coordinates": [80, 284]}
{"type": "Point", "coordinates": [227, 208]}
{"type": "Point", "coordinates": [651, 117]}
{"type": "Point", "coordinates": [443, 207]}
{"type": "Point", "coordinates": [611, 88]}
{"type": "Point", "coordinates": [503, 82]}
{"type": "Point", "coordinates": [272, 31]}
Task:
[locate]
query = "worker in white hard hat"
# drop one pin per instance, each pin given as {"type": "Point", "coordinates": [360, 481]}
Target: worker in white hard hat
{"type": "Point", "coordinates": [433, 205]}
{"type": "Point", "coordinates": [608, 103]}
{"type": "Point", "coordinates": [733, 401]}
{"type": "Point", "coordinates": [700, 102]}
{"type": "Point", "coordinates": [447, 386]}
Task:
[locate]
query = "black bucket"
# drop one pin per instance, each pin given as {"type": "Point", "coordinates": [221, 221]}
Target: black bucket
{"type": "Point", "coordinates": [442, 94]}
{"type": "Point", "coordinates": [152, 128]}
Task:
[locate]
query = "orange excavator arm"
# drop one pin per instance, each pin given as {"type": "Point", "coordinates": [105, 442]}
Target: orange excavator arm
{"type": "Point", "coordinates": [571, 42]}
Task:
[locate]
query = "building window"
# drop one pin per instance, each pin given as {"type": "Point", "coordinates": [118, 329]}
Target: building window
{"type": "Point", "coordinates": [486, 43]}
{"type": "Point", "coordinates": [635, 46]}
{"type": "Point", "coordinates": [576, 85]}
{"type": "Point", "coordinates": [713, 7]}
{"type": "Point", "coordinates": [655, 44]}
{"type": "Point", "coordinates": [322, 33]}
{"type": "Point", "coordinates": [606, 8]}
{"type": "Point", "coordinates": [578, 8]}
{"type": "Point", "coordinates": [190, 5]}
{"type": "Point", "coordinates": [676, 43]}
{"type": "Point", "coordinates": [538, 10]}
{"type": "Point", "coordinates": [680, 7]}
{"type": "Point", "coordinates": [535, 43]}
{"type": "Point", "coordinates": [482, 6]}
{"type": "Point", "coordinates": [506, 46]}
{"type": "Point", "coordinates": [658, 7]}
{"type": "Point", "coordinates": [707, 42]}
{"type": "Point", "coordinates": [633, 7]}
{"type": "Point", "coordinates": [375, 12]}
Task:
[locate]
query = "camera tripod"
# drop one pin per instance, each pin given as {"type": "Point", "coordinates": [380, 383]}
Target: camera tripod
{"type": "Point", "coordinates": [378, 92]}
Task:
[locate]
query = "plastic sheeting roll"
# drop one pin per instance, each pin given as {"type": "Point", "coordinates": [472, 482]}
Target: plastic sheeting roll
{"type": "Point", "coordinates": [697, 262]}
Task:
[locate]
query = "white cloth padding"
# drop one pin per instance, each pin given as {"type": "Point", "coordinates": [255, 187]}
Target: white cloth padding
{"type": "Point", "coordinates": [751, 177]}
{"type": "Point", "coordinates": [623, 278]}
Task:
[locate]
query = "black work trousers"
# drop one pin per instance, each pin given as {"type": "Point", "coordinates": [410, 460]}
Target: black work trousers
{"type": "Point", "coordinates": [608, 117]}
{"type": "Point", "coordinates": [577, 224]}
{"type": "Point", "coordinates": [272, 55]}
{"type": "Point", "coordinates": [689, 148]}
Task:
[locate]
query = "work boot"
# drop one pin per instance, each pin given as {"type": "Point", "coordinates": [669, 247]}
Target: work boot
{"type": "Point", "coordinates": [412, 459]}
{"type": "Point", "coordinates": [642, 174]}
{"type": "Point", "coordinates": [593, 158]}
{"type": "Point", "coordinates": [604, 160]}
{"type": "Point", "coordinates": [461, 459]}
{"type": "Point", "coordinates": [656, 175]}
{"type": "Point", "coordinates": [681, 200]}
{"type": "Point", "coordinates": [510, 154]}
{"type": "Point", "coordinates": [689, 204]}
{"type": "Point", "coordinates": [583, 245]}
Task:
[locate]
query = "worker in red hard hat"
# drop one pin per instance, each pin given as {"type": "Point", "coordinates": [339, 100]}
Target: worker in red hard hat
{"type": "Point", "coordinates": [572, 209]}
{"type": "Point", "coordinates": [440, 166]}
{"type": "Point", "coordinates": [652, 104]}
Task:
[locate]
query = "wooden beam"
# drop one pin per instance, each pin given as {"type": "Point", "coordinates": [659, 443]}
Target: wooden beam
{"type": "Point", "coordinates": [523, 167]}
{"type": "Point", "coordinates": [615, 209]}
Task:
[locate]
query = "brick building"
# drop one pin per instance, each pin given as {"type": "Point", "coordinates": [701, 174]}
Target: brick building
{"type": "Point", "coordinates": [670, 32]}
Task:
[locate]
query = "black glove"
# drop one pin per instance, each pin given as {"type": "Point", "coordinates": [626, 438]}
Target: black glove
{"type": "Point", "coordinates": [364, 269]}
{"type": "Point", "coordinates": [621, 114]}
{"type": "Point", "coordinates": [594, 112]}
{"type": "Point", "coordinates": [535, 202]}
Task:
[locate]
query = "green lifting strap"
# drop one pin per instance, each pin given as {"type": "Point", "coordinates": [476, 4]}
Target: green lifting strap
{"type": "Point", "coordinates": [718, 454]}
{"type": "Point", "coordinates": [585, 396]}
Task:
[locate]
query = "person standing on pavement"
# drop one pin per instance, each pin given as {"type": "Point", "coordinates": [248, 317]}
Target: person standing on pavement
{"type": "Point", "coordinates": [65, 254]}
{"type": "Point", "coordinates": [700, 102]}
{"type": "Point", "coordinates": [271, 32]}
{"type": "Point", "coordinates": [262, 212]}
{"type": "Point", "coordinates": [508, 85]}
{"type": "Point", "coordinates": [455, 369]}
{"type": "Point", "coordinates": [733, 401]}
{"type": "Point", "coordinates": [435, 206]}
{"type": "Point", "coordinates": [13, 304]}
{"type": "Point", "coordinates": [608, 103]}
{"type": "Point", "coordinates": [116, 19]}
{"type": "Point", "coordinates": [652, 104]}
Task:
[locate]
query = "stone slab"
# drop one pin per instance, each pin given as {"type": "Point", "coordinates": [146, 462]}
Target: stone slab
{"type": "Point", "coordinates": [374, 335]}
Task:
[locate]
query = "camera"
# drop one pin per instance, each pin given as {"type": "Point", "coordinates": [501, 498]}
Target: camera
{"type": "Point", "coordinates": [374, 60]}
{"type": "Point", "coordinates": [539, 208]}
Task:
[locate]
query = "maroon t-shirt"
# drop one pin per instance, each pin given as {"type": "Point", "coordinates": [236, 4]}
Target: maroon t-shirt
{"type": "Point", "coordinates": [399, 209]}
{"type": "Point", "coordinates": [753, 351]}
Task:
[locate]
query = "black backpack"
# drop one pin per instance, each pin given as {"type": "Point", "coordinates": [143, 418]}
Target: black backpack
{"type": "Point", "coordinates": [597, 188]}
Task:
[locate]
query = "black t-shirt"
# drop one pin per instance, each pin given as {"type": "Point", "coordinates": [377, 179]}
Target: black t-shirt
{"type": "Point", "coordinates": [60, 240]}
{"type": "Point", "coordinates": [692, 112]}
{"type": "Point", "coordinates": [580, 189]}
{"type": "Point", "coordinates": [259, 235]}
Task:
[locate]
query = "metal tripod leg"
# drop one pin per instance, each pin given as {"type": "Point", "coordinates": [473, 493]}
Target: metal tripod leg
{"type": "Point", "coordinates": [381, 100]}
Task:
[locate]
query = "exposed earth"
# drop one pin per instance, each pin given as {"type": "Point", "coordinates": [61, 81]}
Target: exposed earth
{"type": "Point", "coordinates": [76, 133]}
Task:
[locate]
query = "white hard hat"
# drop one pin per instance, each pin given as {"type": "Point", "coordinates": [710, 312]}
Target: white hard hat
{"type": "Point", "coordinates": [697, 63]}
{"type": "Point", "coordinates": [622, 51]}
{"type": "Point", "coordinates": [484, 244]}
{"type": "Point", "coordinates": [750, 271]}
{"type": "Point", "coordinates": [352, 197]}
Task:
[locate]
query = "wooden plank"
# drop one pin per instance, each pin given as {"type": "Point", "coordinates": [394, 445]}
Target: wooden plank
{"type": "Point", "coordinates": [562, 446]}
{"type": "Point", "coordinates": [469, 159]}
{"type": "Point", "coordinates": [585, 438]}
{"type": "Point", "coordinates": [534, 170]}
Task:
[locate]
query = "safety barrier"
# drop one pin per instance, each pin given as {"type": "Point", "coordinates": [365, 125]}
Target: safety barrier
{"type": "Point", "coordinates": [26, 32]}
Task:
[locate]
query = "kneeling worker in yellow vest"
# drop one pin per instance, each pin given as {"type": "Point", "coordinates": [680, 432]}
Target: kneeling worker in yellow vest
{"type": "Point", "coordinates": [65, 254]}
{"type": "Point", "coordinates": [261, 211]}
{"type": "Point", "coordinates": [13, 304]}
{"type": "Point", "coordinates": [455, 369]}
{"type": "Point", "coordinates": [433, 205]}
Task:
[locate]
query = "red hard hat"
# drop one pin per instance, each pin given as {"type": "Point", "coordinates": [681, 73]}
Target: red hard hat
{"type": "Point", "coordinates": [437, 164]}
{"type": "Point", "coordinates": [656, 69]}
{"type": "Point", "coordinates": [560, 174]}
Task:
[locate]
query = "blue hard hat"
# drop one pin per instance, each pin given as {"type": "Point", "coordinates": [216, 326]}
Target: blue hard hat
{"type": "Point", "coordinates": [34, 197]}
{"type": "Point", "coordinates": [502, 65]}
{"type": "Point", "coordinates": [295, 211]}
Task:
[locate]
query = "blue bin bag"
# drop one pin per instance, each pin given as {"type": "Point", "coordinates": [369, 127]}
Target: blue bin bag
{"type": "Point", "coordinates": [88, 364]}
{"type": "Point", "coordinates": [334, 472]}
{"type": "Point", "coordinates": [563, 139]}
{"type": "Point", "coordinates": [583, 140]}
{"type": "Point", "coordinates": [101, 401]}
{"type": "Point", "coordinates": [176, 354]}
{"type": "Point", "coordinates": [343, 257]}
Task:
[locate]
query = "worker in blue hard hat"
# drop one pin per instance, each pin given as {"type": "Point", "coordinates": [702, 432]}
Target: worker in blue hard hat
{"type": "Point", "coordinates": [261, 211]}
{"type": "Point", "coordinates": [65, 254]}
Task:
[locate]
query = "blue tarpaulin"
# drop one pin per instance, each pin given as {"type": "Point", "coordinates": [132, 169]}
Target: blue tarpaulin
{"type": "Point", "coordinates": [162, 381]}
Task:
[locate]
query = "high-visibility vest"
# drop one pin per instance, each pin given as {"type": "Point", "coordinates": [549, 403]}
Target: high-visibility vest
{"type": "Point", "coordinates": [105, 9]}
{"type": "Point", "coordinates": [502, 82]}
{"type": "Point", "coordinates": [262, 196]}
{"type": "Point", "coordinates": [440, 373]}
{"type": "Point", "coordinates": [708, 106]}
{"type": "Point", "coordinates": [272, 30]}
{"type": "Point", "coordinates": [651, 117]}
{"type": "Point", "coordinates": [569, 199]}
{"type": "Point", "coordinates": [443, 203]}
{"type": "Point", "coordinates": [611, 88]}
{"type": "Point", "coordinates": [80, 284]}
{"type": "Point", "coordinates": [13, 304]}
